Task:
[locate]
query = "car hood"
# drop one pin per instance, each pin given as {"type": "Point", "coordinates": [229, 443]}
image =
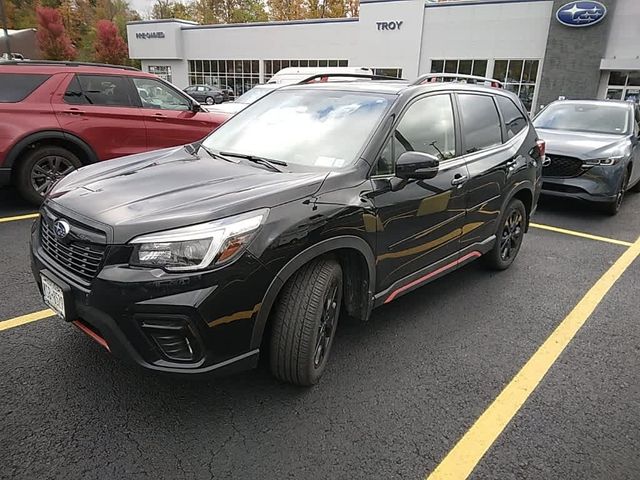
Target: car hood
{"type": "Point", "coordinates": [582, 145]}
{"type": "Point", "coordinates": [170, 188]}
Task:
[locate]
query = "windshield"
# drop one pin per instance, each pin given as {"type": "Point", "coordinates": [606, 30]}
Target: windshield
{"type": "Point", "coordinates": [307, 127]}
{"type": "Point", "coordinates": [254, 94]}
{"type": "Point", "coordinates": [609, 119]}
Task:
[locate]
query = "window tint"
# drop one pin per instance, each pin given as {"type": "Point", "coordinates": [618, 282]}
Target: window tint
{"type": "Point", "coordinates": [16, 87]}
{"type": "Point", "coordinates": [513, 118]}
{"type": "Point", "coordinates": [156, 94]}
{"type": "Point", "coordinates": [73, 94]}
{"type": "Point", "coordinates": [427, 126]}
{"type": "Point", "coordinates": [102, 90]}
{"type": "Point", "coordinates": [480, 122]}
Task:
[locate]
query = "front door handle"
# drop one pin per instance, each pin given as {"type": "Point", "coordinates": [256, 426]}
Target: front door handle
{"type": "Point", "coordinates": [459, 179]}
{"type": "Point", "coordinates": [512, 163]}
{"type": "Point", "coordinates": [159, 117]}
{"type": "Point", "coordinates": [74, 111]}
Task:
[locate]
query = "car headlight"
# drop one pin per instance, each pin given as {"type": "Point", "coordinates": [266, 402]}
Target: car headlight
{"type": "Point", "coordinates": [198, 246]}
{"type": "Point", "coordinates": [603, 161]}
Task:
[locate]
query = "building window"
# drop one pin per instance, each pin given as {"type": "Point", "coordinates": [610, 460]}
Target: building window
{"type": "Point", "coordinates": [624, 86]}
{"type": "Point", "coordinates": [271, 67]}
{"type": "Point", "coordinates": [388, 72]}
{"type": "Point", "coordinates": [163, 71]}
{"type": "Point", "coordinates": [461, 67]}
{"type": "Point", "coordinates": [236, 75]}
{"type": "Point", "coordinates": [519, 77]}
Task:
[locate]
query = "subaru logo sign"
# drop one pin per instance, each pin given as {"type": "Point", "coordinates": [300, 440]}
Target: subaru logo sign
{"type": "Point", "coordinates": [581, 14]}
{"type": "Point", "coordinates": [61, 228]}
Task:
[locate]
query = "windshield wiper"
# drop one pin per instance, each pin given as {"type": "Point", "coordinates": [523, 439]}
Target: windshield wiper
{"type": "Point", "coordinates": [216, 155]}
{"type": "Point", "coordinates": [272, 164]}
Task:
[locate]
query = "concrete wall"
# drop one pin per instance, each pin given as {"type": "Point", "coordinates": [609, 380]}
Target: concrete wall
{"type": "Point", "coordinates": [490, 31]}
{"type": "Point", "coordinates": [623, 44]}
{"type": "Point", "coordinates": [573, 55]}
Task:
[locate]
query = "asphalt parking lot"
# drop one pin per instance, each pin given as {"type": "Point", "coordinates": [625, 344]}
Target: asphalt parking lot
{"type": "Point", "coordinates": [400, 393]}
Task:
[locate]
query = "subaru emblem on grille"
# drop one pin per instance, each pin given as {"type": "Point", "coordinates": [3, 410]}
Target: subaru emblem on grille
{"type": "Point", "coordinates": [61, 228]}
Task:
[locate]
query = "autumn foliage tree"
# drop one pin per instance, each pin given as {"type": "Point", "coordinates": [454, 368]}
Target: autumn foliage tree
{"type": "Point", "coordinates": [53, 41]}
{"type": "Point", "coordinates": [109, 46]}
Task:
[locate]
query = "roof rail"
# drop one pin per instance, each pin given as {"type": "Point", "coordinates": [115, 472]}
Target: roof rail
{"type": "Point", "coordinates": [433, 77]}
{"type": "Point", "coordinates": [323, 77]}
{"type": "Point", "coordinates": [65, 63]}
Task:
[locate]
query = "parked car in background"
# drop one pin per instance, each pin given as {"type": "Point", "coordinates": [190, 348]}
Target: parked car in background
{"type": "Point", "coordinates": [56, 117]}
{"type": "Point", "coordinates": [593, 148]}
{"type": "Point", "coordinates": [229, 92]}
{"type": "Point", "coordinates": [315, 199]}
{"type": "Point", "coordinates": [207, 94]}
{"type": "Point", "coordinates": [296, 74]}
{"type": "Point", "coordinates": [244, 100]}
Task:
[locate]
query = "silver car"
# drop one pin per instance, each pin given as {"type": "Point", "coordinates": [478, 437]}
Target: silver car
{"type": "Point", "coordinates": [594, 150]}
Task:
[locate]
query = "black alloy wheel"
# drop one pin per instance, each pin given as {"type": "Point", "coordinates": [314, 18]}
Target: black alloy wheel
{"type": "Point", "coordinates": [327, 326]}
{"type": "Point", "coordinates": [509, 237]}
{"type": "Point", "coordinates": [612, 208]}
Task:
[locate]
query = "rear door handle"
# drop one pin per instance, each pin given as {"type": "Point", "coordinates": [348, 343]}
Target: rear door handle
{"type": "Point", "coordinates": [459, 179]}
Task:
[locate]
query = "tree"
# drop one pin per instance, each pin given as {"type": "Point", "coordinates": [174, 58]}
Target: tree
{"type": "Point", "coordinates": [53, 41]}
{"type": "Point", "coordinates": [288, 9]}
{"type": "Point", "coordinates": [109, 46]}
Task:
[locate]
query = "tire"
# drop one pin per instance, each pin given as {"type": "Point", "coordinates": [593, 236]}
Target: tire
{"type": "Point", "coordinates": [209, 101]}
{"type": "Point", "coordinates": [612, 208]}
{"type": "Point", "coordinates": [508, 237]}
{"type": "Point", "coordinates": [304, 322]}
{"type": "Point", "coordinates": [41, 168]}
{"type": "Point", "coordinates": [636, 187]}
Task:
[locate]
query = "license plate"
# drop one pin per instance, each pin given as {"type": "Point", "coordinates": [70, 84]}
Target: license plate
{"type": "Point", "coordinates": [53, 296]}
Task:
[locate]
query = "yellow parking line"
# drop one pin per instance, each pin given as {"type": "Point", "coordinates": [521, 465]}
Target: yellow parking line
{"type": "Point", "coordinates": [581, 234]}
{"type": "Point", "coordinates": [465, 455]}
{"type": "Point", "coordinates": [19, 217]}
{"type": "Point", "coordinates": [30, 317]}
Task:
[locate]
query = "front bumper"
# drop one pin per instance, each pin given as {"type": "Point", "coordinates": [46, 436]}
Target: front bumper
{"type": "Point", "coordinates": [193, 323]}
{"type": "Point", "coordinates": [598, 184]}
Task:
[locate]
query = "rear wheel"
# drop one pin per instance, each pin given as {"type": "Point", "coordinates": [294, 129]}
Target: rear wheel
{"type": "Point", "coordinates": [41, 168]}
{"type": "Point", "coordinates": [305, 321]}
{"type": "Point", "coordinates": [508, 238]}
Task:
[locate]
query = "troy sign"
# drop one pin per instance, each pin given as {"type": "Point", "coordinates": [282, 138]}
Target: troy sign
{"type": "Point", "coordinates": [389, 25]}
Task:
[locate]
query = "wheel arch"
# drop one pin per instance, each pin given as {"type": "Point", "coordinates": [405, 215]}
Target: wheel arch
{"type": "Point", "coordinates": [55, 137]}
{"type": "Point", "coordinates": [524, 193]}
{"type": "Point", "coordinates": [358, 263]}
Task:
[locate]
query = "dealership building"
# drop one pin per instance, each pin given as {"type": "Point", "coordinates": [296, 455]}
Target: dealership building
{"type": "Point", "coordinates": [541, 49]}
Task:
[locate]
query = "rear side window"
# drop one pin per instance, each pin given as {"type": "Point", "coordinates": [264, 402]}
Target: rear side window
{"type": "Point", "coordinates": [106, 90]}
{"type": "Point", "coordinates": [513, 118]}
{"type": "Point", "coordinates": [480, 122]}
{"type": "Point", "coordinates": [17, 87]}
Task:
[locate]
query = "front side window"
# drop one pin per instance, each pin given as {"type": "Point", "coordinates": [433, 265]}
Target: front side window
{"type": "Point", "coordinates": [105, 90]}
{"type": "Point", "coordinates": [585, 117]}
{"type": "Point", "coordinates": [427, 126]}
{"type": "Point", "coordinates": [513, 118]}
{"type": "Point", "coordinates": [17, 87]}
{"type": "Point", "coordinates": [480, 122]}
{"type": "Point", "coordinates": [155, 94]}
{"type": "Point", "coordinates": [318, 128]}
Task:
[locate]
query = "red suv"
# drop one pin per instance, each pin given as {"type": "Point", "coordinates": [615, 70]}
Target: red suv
{"type": "Point", "coordinates": [57, 116]}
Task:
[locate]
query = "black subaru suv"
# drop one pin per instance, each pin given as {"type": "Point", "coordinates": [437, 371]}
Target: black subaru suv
{"type": "Point", "coordinates": [317, 199]}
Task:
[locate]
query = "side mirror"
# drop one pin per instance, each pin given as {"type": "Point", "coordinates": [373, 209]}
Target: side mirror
{"type": "Point", "coordinates": [195, 107]}
{"type": "Point", "coordinates": [416, 165]}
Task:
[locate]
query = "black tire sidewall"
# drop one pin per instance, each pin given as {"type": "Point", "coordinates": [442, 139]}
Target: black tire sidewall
{"type": "Point", "coordinates": [206, 100]}
{"type": "Point", "coordinates": [493, 259]}
{"type": "Point", "coordinates": [23, 177]}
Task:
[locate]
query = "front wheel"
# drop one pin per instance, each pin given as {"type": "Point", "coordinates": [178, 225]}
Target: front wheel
{"type": "Point", "coordinates": [40, 169]}
{"type": "Point", "coordinates": [508, 238]}
{"type": "Point", "coordinates": [612, 208]}
{"type": "Point", "coordinates": [209, 101]}
{"type": "Point", "coordinates": [305, 321]}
